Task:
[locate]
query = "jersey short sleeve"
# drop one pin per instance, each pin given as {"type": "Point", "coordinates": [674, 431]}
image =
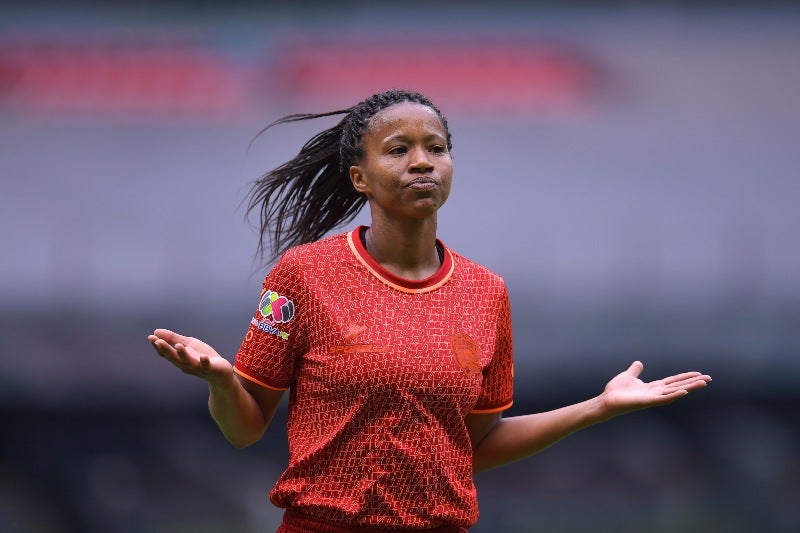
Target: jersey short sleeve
{"type": "Point", "coordinates": [497, 389]}
{"type": "Point", "coordinates": [268, 352]}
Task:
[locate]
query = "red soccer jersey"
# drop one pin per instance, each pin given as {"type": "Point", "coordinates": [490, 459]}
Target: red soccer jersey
{"type": "Point", "coordinates": [382, 372]}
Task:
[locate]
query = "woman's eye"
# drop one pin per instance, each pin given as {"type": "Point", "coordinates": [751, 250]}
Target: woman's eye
{"type": "Point", "coordinates": [398, 150]}
{"type": "Point", "coordinates": [437, 149]}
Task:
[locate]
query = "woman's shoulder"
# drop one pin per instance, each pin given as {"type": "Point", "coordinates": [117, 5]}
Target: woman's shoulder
{"type": "Point", "coordinates": [305, 261]}
{"type": "Point", "coordinates": [313, 251]}
{"type": "Point", "coordinates": [473, 269]}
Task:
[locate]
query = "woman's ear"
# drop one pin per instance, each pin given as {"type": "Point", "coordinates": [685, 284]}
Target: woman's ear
{"type": "Point", "coordinates": [357, 179]}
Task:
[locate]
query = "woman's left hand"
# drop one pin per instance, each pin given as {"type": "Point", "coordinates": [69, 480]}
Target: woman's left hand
{"type": "Point", "coordinates": [626, 392]}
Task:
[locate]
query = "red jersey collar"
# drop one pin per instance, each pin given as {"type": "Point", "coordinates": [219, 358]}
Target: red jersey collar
{"type": "Point", "coordinates": [428, 284]}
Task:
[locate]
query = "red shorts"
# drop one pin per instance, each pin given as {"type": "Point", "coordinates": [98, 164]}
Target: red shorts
{"type": "Point", "coordinates": [294, 522]}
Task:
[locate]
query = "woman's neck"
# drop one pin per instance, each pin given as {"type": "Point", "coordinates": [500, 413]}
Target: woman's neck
{"type": "Point", "coordinates": [407, 250]}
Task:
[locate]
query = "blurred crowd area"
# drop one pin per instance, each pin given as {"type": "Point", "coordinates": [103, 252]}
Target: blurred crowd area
{"type": "Point", "coordinates": [630, 169]}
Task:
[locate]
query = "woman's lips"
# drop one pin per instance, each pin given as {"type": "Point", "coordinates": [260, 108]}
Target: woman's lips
{"type": "Point", "coordinates": [422, 184]}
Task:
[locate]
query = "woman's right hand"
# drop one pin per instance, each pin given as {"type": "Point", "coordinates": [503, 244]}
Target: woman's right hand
{"type": "Point", "coordinates": [192, 356]}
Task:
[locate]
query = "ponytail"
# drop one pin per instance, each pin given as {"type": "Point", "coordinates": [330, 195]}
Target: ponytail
{"type": "Point", "coordinates": [306, 197]}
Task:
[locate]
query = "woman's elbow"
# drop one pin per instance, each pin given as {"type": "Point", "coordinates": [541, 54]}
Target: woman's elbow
{"type": "Point", "coordinates": [242, 441]}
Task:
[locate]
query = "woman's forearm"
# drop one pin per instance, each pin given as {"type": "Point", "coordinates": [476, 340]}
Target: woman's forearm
{"type": "Point", "coordinates": [515, 438]}
{"type": "Point", "coordinates": [236, 412]}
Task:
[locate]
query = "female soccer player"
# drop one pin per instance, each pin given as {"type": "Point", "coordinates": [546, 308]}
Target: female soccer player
{"type": "Point", "coordinates": [396, 350]}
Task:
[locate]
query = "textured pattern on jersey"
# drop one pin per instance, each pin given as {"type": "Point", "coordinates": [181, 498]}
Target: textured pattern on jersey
{"type": "Point", "coordinates": [380, 382]}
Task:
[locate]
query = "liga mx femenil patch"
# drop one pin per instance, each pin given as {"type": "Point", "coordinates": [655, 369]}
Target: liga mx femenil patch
{"type": "Point", "coordinates": [275, 309]}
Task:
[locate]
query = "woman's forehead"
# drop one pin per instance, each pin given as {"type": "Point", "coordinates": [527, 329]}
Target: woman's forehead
{"type": "Point", "coordinates": [405, 115]}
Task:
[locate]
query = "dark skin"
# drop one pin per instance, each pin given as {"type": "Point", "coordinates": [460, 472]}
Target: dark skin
{"type": "Point", "coordinates": [406, 173]}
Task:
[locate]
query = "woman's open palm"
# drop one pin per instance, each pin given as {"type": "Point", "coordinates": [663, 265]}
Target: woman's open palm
{"type": "Point", "coordinates": [626, 392]}
{"type": "Point", "coordinates": [191, 355]}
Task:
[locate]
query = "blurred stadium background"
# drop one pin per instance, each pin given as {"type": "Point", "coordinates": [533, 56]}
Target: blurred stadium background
{"type": "Point", "coordinates": [630, 168]}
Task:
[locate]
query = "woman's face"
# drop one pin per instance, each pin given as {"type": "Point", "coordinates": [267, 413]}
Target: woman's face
{"type": "Point", "coordinates": [406, 170]}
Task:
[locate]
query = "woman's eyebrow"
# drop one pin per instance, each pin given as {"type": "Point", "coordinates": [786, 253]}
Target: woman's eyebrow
{"type": "Point", "coordinates": [405, 138]}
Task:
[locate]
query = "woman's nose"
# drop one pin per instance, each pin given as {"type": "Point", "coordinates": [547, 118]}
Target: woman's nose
{"type": "Point", "coordinates": [421, 159]}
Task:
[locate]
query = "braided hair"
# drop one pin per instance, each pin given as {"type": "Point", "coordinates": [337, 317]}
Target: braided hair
{"type": "Point", "coordinates": [306, 197]}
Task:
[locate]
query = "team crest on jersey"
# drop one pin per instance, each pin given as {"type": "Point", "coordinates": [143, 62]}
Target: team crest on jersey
{"type": "Point", "coordinates": [467, 353]}
{"type": "Point", "coordinates": [275, 309]}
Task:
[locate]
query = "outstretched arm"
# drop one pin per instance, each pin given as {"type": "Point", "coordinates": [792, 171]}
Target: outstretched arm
{"type": "Point", "coordinates": [241, 409]}
{"type": "Point", "coordinates": [497, 441]}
